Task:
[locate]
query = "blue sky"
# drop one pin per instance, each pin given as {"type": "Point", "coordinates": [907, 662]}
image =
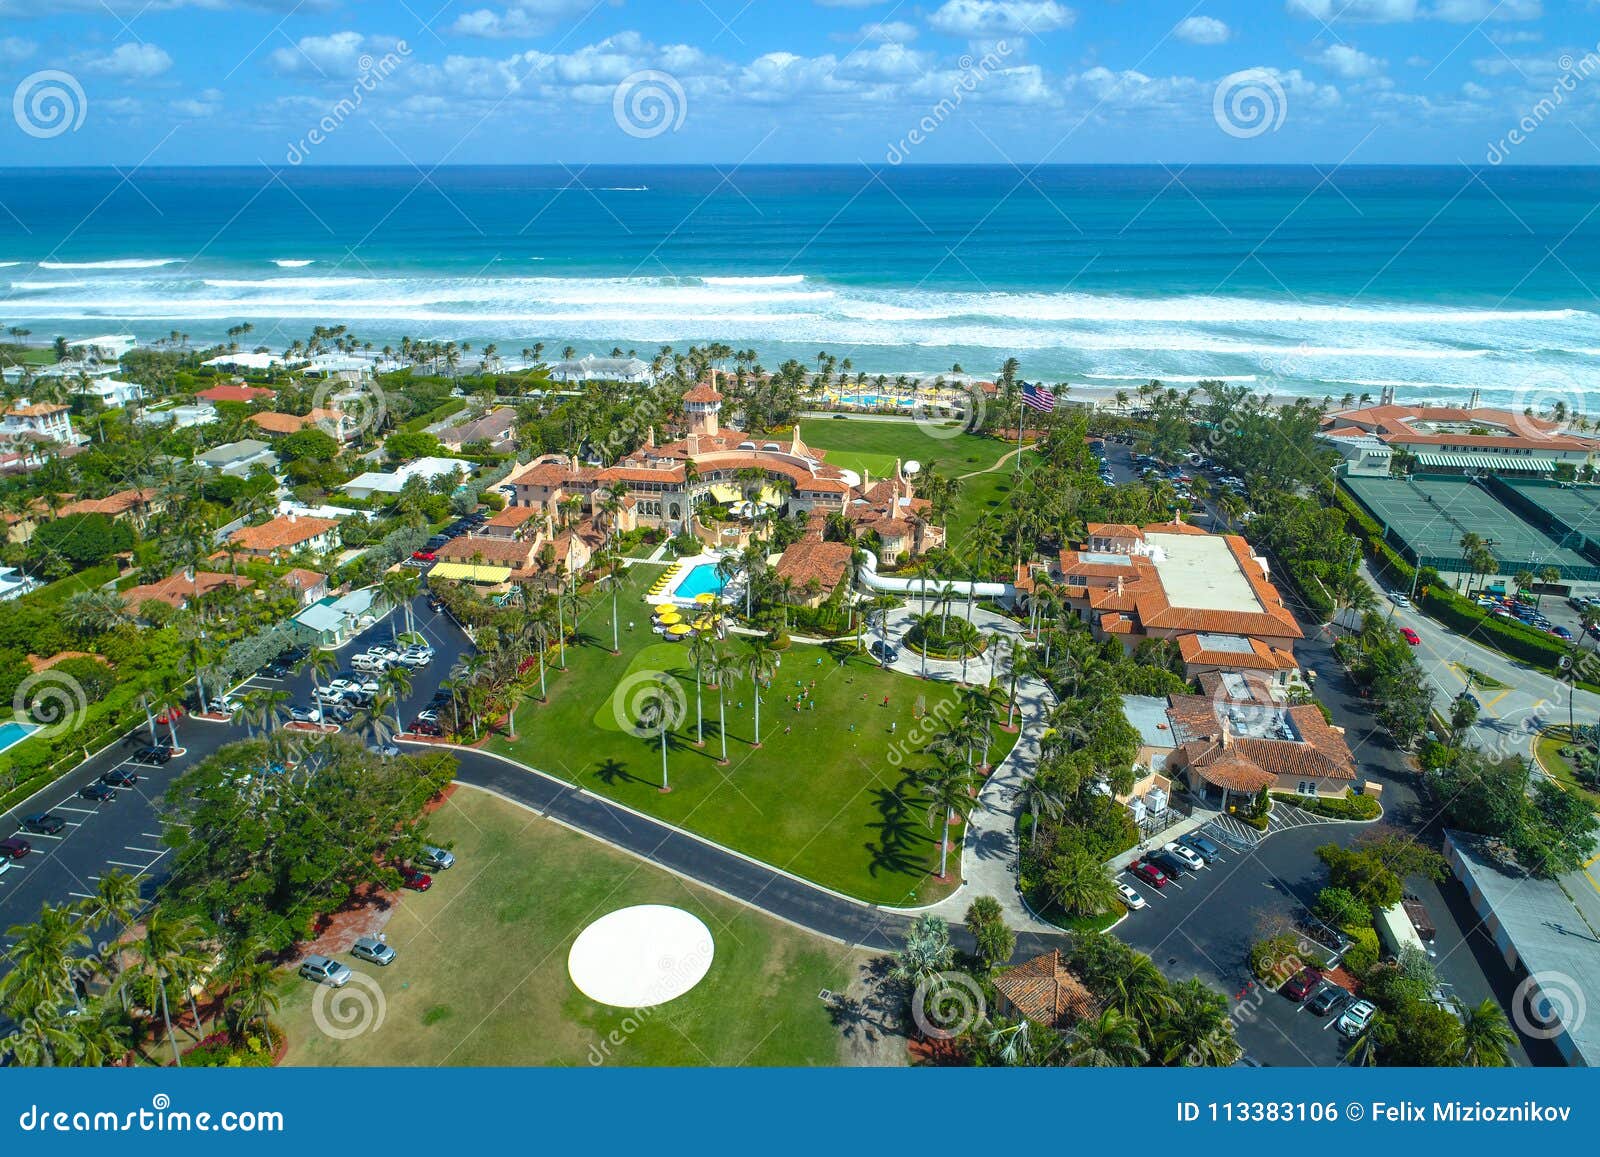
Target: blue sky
{"type": "Point", "coordinates": [769, 81]}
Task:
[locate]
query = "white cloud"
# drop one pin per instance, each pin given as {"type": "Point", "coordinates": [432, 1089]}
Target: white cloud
{"type": "Point", "coordinates": [14, 49]}
{"type": "Point", "coordinates": [977, 18]}
{"type": "Point", "coordinates": [1418, 62]}
{"type": "Point", "coordinates": [132, 61]}
{"type": "Point", "coordinates": [207, 103]}
{"type": "Point", "coordinates": [1350, 62]}
{"type": "Point", "coordinates": [1476, 11]}
{"type": "Point", "coordinates": [1202, 30]}
{"type": "Point", "coordinates": [1474, 91]}
{"type": "Point", "coordinates": [1375, 11]}
{"type": "Point", "coordinates": [334, 55]}
{"type": "Point", "coordinates": [524, 18]}
{"type": "Point", "coordinates": [1515, 36]}
{"type": "Point", "coordinates": [897, 31]}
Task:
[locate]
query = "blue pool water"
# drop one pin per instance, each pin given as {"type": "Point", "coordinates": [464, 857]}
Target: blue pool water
{"type": "Point", "coordinates": [701, 580]}
{"type": "Point", "coordinates": [13, 733]}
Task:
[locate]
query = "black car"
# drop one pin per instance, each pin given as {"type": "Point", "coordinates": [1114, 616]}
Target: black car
{"type": "Point", "coordinates": [96, 791]}
{"type": "Point", "coordinates": [157, 753]}
{"type": "Point", "coordinates": [882, 651]}
{"type": "Point", "coordinates": [121, 776]}
{"type": "Point", "coordinates": [436, 542]}
{"type": "Point", "coordinates": [43, 823]}
{"type": "Point", "coordinates": [1327, 999]}
{"type": "Point", "coordinates": [435, 605]}
{"type": "Point", "coordinates": [274, 671]}
{"type": "Point", "coordinates": [1168, 863]}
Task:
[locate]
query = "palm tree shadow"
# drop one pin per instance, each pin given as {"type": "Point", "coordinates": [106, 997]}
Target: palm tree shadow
{"type": "Point", "coordinates": [897, 825]}
{"type": "Point", "coordinates": [611, 772]}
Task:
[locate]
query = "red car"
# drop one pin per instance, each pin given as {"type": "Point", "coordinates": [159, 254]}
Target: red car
{"type": "Point", "coordinates": [14, 848]}
{"type": "Point", "coordinates": [415, 880]}
{"type": "Point", "coordinates": [1149, 873]}
{"type": "Point", "coordinates": [1302, 984]}
{"type": "Point", "coordinates": [424, 556]}
{"type": "Point", "coordinates": [1410, 636]}
{"type": "Point", "coordinates": [170, 714]}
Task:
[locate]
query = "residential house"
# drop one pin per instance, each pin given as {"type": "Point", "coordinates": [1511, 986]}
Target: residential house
{"type": "Point", "coordinates": [814, 569]}
{"type": "Point", "coordinates": [388, 483]}
{"type": "Point", "coordinates": [47, 421]}
{"type": "Point", "coordinates": [497, 428]}
{"type": "Point", "coordinates": [332, 621]}
{"type": "Point", "coordinates": [334, 423]}
{"type": "Point", "coordinates": [110, 392]}
{"type": "Point", "coordinates": [180, 417]}
{"type": "Point", "coordinates": [286, 535]}
{"type": "Point", "coordinates": [132, 506]}
{"type": "Point", "coordinates": [238, 458]}
{"type": "Point", "coordinates": [597, 369]}
{"type": "Point", "coordinates": [308, 586]}
{"type": "Point", "coordinates": [14, 583]}
{"type": "Point", "coordinates": [236, 392]}
{"type": "Point", "coordinates": [105, 348]}
{"type": "Point", "coordinates": [513, 522]}
{"type": "Point", "coordinates": [180, 587]}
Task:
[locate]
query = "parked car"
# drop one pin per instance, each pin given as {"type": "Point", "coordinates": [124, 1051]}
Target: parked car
{"type": "Point", "coordinates": [1329, 998]}
{"type": "Point", "coordinates": [325, 971]}
{"type": "Point", "coordinates": [1399, 600]}
{"type": "Point", "coordinates": [43, 823]}
{"type": "Point", "coordinates": [157, 753]}
{"type": "Point", "coordinates": [372, 950]}
{"type": "Point", "coordinates": [1561, 633]}
{"type": "Point", "coordinates": [436, 541]}
{"type": "Point", "coordinates": [435, 605]}
{"type": "Point", "coordinates": [1202, 844]}
{"type": "Point", "coordinates": [341, 684]}
{"type": "Point", "coordinates": [1410, 636]}
{"type": "Point", "coordinates": [120, 777]}
{"type": "Point", "coordinates": [171, 713]}
{"type": "Point", "coordinates": [1302, 984]}
{"type": "Point", "coordinates": [14, 848]}
{"type": "Point", "coordinates": [1356, 1018]}
{"type": "Point", "coordinates": [1189, 857]}
{"type": "Point", "coordinates": [414, 880]}
{"type": "Point", "coordinates": [423, 727]}
{"type": "Point", "coordinates": [436, 859]}
{"type": "Point", "coordinates": [386, 750]}
{"type": "Point", "coordinates": [1149, 873]}
{"type": "Point", "coordinates": [305, 714]}
{"type": "Point", "coordinates": [96, 792]}
{"type": "Point", "coordinates": [424, 556]}
{"type": "Point", "coordinates": [1130, 897]}
{"type": "Point", "coordinates": [1168, 863]}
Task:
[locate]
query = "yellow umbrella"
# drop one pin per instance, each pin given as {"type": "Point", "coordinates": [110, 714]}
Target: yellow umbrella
{"type": "Point", "coordinates": [705, 597]}
{"type": "Point", "coordinates": [669, 618]}
{"type": "Point", "coordinates": [678, 629]}
{"type": "Point", "coordinates": [702, 623]}
{"type": "Point", "coordinates": [665, 608]}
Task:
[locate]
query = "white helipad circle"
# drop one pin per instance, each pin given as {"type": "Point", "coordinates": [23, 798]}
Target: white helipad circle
{"type": "Point", "coordinates": [641, 956]}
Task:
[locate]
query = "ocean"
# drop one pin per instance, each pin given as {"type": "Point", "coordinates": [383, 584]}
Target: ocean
{"type": "Point", "coordinates": [1438, 281]}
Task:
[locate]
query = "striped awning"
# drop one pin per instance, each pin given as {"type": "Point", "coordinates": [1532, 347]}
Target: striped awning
{"type": "Point", "coordinates": [1484, 461]}
{"type": "Point", "coordinates": [468, 572]}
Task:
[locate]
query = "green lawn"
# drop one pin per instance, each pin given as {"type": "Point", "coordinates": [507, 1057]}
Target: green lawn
{"type": "Point", "coordinates": [1548, 752]}
{"type": "Point", "coordinates": [820, 798]}
{"type": "Point", "coordinates": [481, 976]}
{"type": "Point", "coordinates": [858, 444]}
{"type": "Point", "coordinates": [85, 580]}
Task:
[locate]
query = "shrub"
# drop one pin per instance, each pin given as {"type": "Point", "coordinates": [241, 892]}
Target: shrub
{"type": "Point", "coordinates": [1363, 954]}
{"type": "Point", "coordinates": [1349, 806]}
{"type": "Point", "coordinates": [1339, 907]}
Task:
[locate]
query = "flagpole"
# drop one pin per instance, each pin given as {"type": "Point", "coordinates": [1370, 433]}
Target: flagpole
{"type": "Point", "coordinates": [1020, 407]}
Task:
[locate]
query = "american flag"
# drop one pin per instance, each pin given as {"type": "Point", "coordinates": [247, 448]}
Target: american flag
{"type": "Point", "coordinates": [1038, 397]}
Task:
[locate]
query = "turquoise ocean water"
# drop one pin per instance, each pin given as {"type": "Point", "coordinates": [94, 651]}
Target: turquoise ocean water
{"type": "Point", "coordinates": [1439, 280]}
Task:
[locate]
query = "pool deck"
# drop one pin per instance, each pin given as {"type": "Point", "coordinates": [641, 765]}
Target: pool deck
{"type": "Point", "coordinates": [675, 577]}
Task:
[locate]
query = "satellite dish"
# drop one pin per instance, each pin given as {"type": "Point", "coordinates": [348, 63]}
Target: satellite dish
{"type": "Point", "coordinates": [911, 467]}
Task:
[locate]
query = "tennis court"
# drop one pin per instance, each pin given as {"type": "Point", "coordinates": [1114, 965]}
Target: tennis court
{"type": "Point", "coordinates": [1427, 517]}
{"type": "Point", "coordinates": [1568, 513]}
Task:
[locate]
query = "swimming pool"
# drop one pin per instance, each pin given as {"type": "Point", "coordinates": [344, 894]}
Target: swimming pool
{"type": "Point", "coordinates": [13, 733]}
{"type": "Point", "coordinates": [703, 579]}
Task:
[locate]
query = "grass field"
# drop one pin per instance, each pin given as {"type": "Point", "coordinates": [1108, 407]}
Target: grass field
{"type": "Point", "coordinates": [1548, 753]}
{"type": "Point", "coordinates": [826, 795]}
{"type": "Point", "coordinates": [481, 975]}
{"type": "Point", "coordinates": [858, 444]}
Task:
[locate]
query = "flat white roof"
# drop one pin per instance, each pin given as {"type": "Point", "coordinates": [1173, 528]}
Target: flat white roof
{"type": "Point", "coordinates": [1199, 572]}
{"type": "Point", "coordinates": [1232, 644]}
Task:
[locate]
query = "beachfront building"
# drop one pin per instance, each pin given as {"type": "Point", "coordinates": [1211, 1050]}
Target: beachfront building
{"type": "Point", "coordinates": [107, 347]}
{"type": "Point", "coordinates": [238, 459]}
{"type": "Point", "coordinates": [1210, 594]}
{"type": "Point", "coordinates": [286, 535]}
{"type": "Point", "coordinates": [181, 416]}
{"type": "Point", "coordinates": [662, 485]}
{"type": "Point", "coordinates": [44, 421]}
{"type": "Point", "coordinates": [251, 361]}
{"type": "Point", "coordinates": [1466, 439]}
{"type": "Point", "coordinates": [596, 369]}
{"type": "Point", "coordinates": [388, 483]}
{"type": "Point", "coordinates": [110, 392]}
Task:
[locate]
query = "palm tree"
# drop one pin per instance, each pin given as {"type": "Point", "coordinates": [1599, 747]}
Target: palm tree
{"type": "Point", "coordinates": [396, 682]}
{"type": "Point", "coordinates": [116, 901]}
{"type": "Point", "coordinates": [1037, 798]}
{"type": "Point", "coordinates": [252, 984]}
{"type": "Point", "coordinates": [760, 660]}
{"type": "Point", "coordinates": [1198, 1029]}
{"type": "Point", "coordinates": [1078, 882]}
{"type": "Point", "coordinates": [321, 663]}
{"type": "Point", "coordinates": [725, 668]}
{"type": "Point", "coordinates": [1110, 1040]}
{"type": "Point", "coordinates": [42, 959]}
{"type": "Point", "coordinates": [1486, 1038]}
{"type": "Point", "coordinates": [948, 787]}
{"type": "Point", "coordinates": [165, 957]}
{"type": "Point", "coordinates": [661, 712]}
{"type": "Point", "coordinates": [700, 654]}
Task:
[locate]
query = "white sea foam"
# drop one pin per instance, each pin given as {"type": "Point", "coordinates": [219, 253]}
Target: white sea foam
{"type": "Point", "coordinates": [292, 262]}
{"type": "Point", "coordinates": [120, 263]}
{"type": "Point", "coordinates": [736, 282]}
{"type": "Point", "coordinates": [9, 264]}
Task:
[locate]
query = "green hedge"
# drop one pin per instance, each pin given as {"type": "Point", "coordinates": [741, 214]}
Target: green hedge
{"type": "Point", "coordinates": [1349, 806]}
{"type": "Point", "coordinates": [437, 414]}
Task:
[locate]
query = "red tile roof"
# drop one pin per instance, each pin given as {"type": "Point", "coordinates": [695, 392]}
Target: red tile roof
{"type": "Point", "coordinates": [1044, 991]}
{"type": "Point", "coordinates": [282, 532]}
{"type": "Point", "coordinates": [231, 393]}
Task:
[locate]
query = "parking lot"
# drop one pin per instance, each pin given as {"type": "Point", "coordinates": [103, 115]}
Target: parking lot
{"type": "Point", "coordinates": [126, 832]}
